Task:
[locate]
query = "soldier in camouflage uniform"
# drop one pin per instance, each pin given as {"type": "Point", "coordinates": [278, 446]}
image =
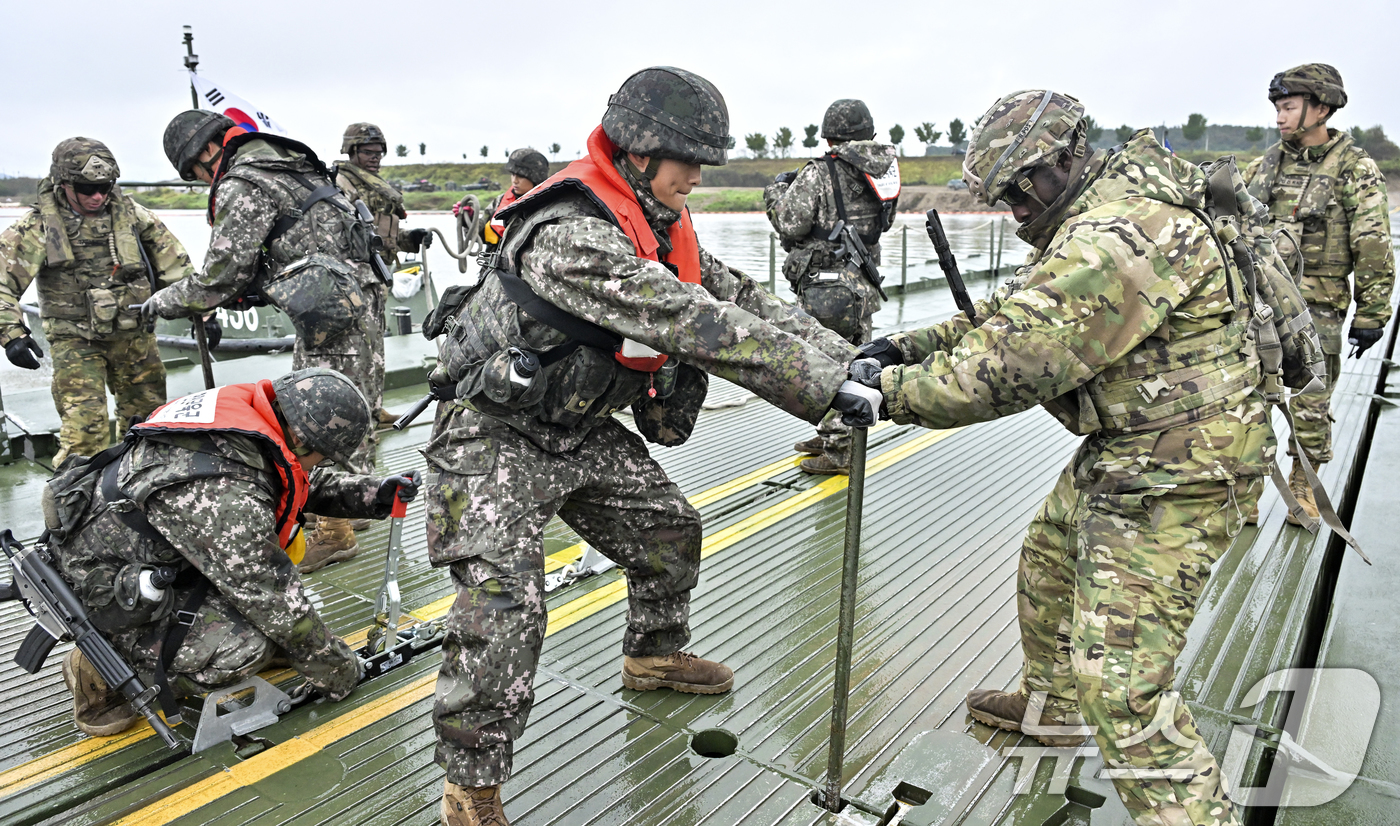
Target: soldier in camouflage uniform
{"type": "Point", "coordinates": [1124, 327]}
{"type": "Point", "coordinates": [359, 179]}
{"type": "Point", "coordinates": [804, 207]}
{"type": "Point", "coordinates": [315, 267]}
{"type": "Point", "coordinates": [1330, 196]}
{"type": "Point", "coordinates": [87, 243]}
{"type": "Point", "coordinates": [607, 246]}
{"type": "Point", "coordinates": [527, 169]}
{"type": "Point", "coordinates": [214, 483]}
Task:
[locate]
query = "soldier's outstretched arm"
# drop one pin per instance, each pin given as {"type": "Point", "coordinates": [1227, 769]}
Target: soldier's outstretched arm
{"type": "Point", "coordinates": [21, 255]}
{"type": "Point", "coordinates": [338, 494]}
{"type": "Point", "coordinates": [168, 256]}
{"type": "Point", "coordinates": [791, 207]}
{"type": "Point", "coordinates": [242, 219]}
{"type": "Point", "coordinates": [589, 267]}
{"type": "Point", "coordinates": [1075, 315]}
{"type": "Point", "coordinates": [224, 526]}
{"type": "Point", "coordinates": [1364, 198]}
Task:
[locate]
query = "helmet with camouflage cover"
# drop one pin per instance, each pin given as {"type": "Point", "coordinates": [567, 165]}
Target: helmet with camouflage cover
{"type": "Point", "coordinates": [1020, 132]}
{"type": "Point", "coordinates": [83, 161]}
{"type": "Point", "coordinates": [188, 133]}
{"type": "Point", "coordinates": [359, 134]}
{"type": "Point", "coordinates": [848, 120]}
{"type": "Point", "coordinates": [665, 112]}
{"type": "Point", "coordinates": [1319, 80]}
{"type": "Point", "coordinates": [529, 164]}
{"type": "Point", "coordinates": [324, 410]}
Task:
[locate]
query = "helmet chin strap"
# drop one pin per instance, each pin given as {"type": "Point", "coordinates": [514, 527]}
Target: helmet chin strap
{"type": "Point", "coordinates": [653, 167]}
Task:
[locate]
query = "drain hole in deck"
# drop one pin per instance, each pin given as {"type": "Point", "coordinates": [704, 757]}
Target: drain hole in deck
{"type": "Point", "coordinates": [714, 742]}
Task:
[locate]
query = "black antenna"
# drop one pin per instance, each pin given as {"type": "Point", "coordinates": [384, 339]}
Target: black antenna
{"type": "Point", "coordinates": [191, 62]}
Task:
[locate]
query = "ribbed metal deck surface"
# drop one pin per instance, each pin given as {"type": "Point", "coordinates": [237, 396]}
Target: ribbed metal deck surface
{"type": "Point", "coordinates": [943, 523]}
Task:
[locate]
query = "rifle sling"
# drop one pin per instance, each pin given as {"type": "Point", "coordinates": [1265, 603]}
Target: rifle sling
{"type": "Point", "coordinates": [318, 194]}
{"type": "Point", "coordinates": [581, 333]}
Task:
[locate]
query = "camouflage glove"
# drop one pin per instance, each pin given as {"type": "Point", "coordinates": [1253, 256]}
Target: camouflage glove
{"type": "Point", "coordinates": [1361, 340]}
{"type": "Point", "coordinates": [785, 177]}
{"type": "Point", "coordinates": [405, 485]}
{"type": "Point", "coordinates": [420, 238]}
{"type": "Point", "coordinates": [24, 352]}
{"type": "Point", "coordinates": [859, 399]}
{"type": "Point", "coordinates": [883, 351]}
{"type": "Point", "coordinates": [155, 306]}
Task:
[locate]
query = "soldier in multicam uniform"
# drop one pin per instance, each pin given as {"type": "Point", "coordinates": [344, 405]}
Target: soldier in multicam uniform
{"type": "Point", "coordinates": [1127, 289]}
{"type": "Point", "coordinates": [284, 233]}
{"type": "Point", "coordinates": [527, 169]}
{"type": "Point", "coordinates": [359, 179]}
{"type": "Point", "coordinates": [606, 250]}
{"type": "Point", "coordinates": [1331, 196]}
{"type": "Point", "coordinates": [87, 243]}
{"type": "Point", "coordinates": [804, 207]}
{"type": "Point", "coordinates": [210, 490]}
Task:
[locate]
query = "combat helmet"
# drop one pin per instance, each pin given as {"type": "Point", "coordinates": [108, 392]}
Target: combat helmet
{"type": "Point", "coordinates": [665, 112]}
{"type": "Point", "coordinates": [359, 134]}
{"type": "Point", "coordinates": [1022, 131]}
{"type": "Point", "coordinates": [324, 410]}
{"type": "Point", "coordinates": [83, 161]}
{"type": "Point", "coordinates": [187, 135]}
{"type": "Point", "coordinates": [848, 120]}
{"type": "Point", "coordinates": [528, 163]}
{"type": "Point", "coordinates": [1319, 80]}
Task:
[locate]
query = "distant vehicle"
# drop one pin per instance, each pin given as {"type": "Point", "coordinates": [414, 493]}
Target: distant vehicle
{"type": "Point", "coordinates": [483, 183]}
{"type": "Point", "coordinates": [957, 183]}
{"type": "Point", "coordinates": [421, 185]}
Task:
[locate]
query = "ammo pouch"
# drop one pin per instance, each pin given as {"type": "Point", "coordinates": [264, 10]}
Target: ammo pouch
{"type": "Point", "coordinates": [320, 294]}
{"type": "Point", "coordinates": [102, 310]}
{"type": "Point", "coordinates": [836, 300]}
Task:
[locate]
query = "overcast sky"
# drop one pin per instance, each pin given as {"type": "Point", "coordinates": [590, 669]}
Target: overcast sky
{"type": "Point", "coordinates": [457, 75]}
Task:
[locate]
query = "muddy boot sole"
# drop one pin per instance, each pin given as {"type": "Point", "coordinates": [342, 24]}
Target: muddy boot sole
{"type": "Point", "coordinates": [989, 719]}
{"type": "Point", "coordinates": [652, 683]}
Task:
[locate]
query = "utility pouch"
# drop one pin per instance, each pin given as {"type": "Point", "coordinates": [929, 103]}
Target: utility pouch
{"type": "Point", "coordinates": [495, 382]}
{"type": "Point", "coordinates": [102, 309]}
{"type": "Point", "coordinates": [443, 316]}
{"type": "Point", "coordinates": [320, 294]}
{"type": "Point", "coordinates": [835, 300]}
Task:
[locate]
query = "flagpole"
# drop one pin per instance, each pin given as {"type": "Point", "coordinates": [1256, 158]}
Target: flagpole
{"type": "Point", "coordinates": [191, 63]}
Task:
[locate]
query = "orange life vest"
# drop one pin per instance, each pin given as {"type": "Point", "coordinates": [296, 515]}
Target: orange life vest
{"type": "Point", "coordinates": [245, 409]}
{"type": "Point", "coordinates": [498, 227]}
{"type": "Point", "coordinates": [597, 176]}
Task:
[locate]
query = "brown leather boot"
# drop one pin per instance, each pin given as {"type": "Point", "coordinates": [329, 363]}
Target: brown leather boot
{"type": "Point", "coordinates": [824, 465]}
{"type": "Point", "coordinates": [815, 446]}
{"type": "Point", "coordinates": [97, 709]}
{"type": "Point", "coordinates": [1007, 710]}
{"type": "Point", "coordinates": [361, 524]}
{"type": "Point", "coordinates": [467, 806]}
{"type": "Point", "coordinates": [332, 540]}
{"type": "Point", "coordinates": [384, 419]}
{"type": "Point", "coordinates": [1302, 491]}
{"type": "Point", "coordinates": [680, 671]}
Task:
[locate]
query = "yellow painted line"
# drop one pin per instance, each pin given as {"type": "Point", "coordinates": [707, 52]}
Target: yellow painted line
{"type": "Point", "coordinates": [286, 754]}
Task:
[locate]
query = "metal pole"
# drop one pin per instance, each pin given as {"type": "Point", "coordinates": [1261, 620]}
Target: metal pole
{"type": "Point", "coordinates": [772, 263]}
{"type": "Point", "coordinates": [1001, 244]}
{"type": "Point", "coordinates": [204, 359]}
{"type": "Point", "coordinates": [191, 63]}
{"type": "Point", "coordinates": [904, 257]}
{"type": "Point", "coordinates": [991, 247]}
{"type": "Point", "coordinates": [845, 627]}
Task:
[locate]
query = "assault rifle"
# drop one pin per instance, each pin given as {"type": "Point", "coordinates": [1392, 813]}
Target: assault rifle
{"type": "Point", "coordinates": [855, 251]}
{"type": "Point", "coordinates": [376, 244]}
{"type": "Point", "coordinates": [934, 225]}
{"type": "Point", "coordinates": [59, 614]}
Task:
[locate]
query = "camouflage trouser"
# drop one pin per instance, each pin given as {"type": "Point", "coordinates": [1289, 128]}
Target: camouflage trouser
{"type": "Point", "coordinates": [1313, 411]}
{"type": "Point", "coordinates": [1108, 583]}
{"type": "Point", "coordinates": [83, 371]}
{"type": "Point", "coordinates": [359, 354]}
{"type": "Point", "coordinates": [489, 525]}
{"type": "Point", "coordinates": [835, 436]}
{"type": "Point", "coordinates": [221, 648]}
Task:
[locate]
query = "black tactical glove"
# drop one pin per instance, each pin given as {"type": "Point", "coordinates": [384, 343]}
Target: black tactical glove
{"type": "Point", "coordinates": [859, 399]}
{"type": "Point", "coordinates": [785, 177]}
{"type": "Point", "coordinates": [213, 333]}
{"type": "Point", "coordinates": [24, 352]}
{"type": "Point", "coordinates": [882, 350]}
{"type": "Point", "coordinates": [420, 238]}
{"type": "Point", "coordinates": [405, 485]}
{"type": "Point", "coordinates": [1361, 340]}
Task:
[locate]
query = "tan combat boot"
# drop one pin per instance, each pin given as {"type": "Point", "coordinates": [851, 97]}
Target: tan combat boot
{"type": "Point", "coordinates": [679, 672]}
{"type": "Point", "coordinates": [97, 709]}
{"type": "Point", "coordinates": [467, 806]}
{"type": "Point", "coordinates": [824, 464]}
{"type": "Point", "coordinates": [332, 540]}
{"type": "Point", "coordinates": [815, 446]}
{"type": "Point", "coordinates": [1302, 491]}
{"type": "Point", "coordinates": [1007, 710]}
{"type": "Point", "coordinates": [384, 419]}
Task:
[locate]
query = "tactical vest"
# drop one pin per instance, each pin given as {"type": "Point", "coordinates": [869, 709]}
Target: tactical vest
{"type": "Point", "coordinates": [1302, 195]}
{"type": "Point", "coordinates": [90, 279]}
{"type": "Point", "coordinates": [384, 202]}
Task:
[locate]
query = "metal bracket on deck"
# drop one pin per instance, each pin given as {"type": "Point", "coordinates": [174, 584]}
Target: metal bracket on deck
{"type": "Point", "coordinates": [238, 709]}
{"type": "Point", "coordinates": [589, 564]}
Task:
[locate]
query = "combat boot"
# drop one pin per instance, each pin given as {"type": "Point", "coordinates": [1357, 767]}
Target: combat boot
{"type": "Point", "coordinates": [824, 464]}
{"type": "Point", "coordinates": [1007, 709]}
{"type": "Point", "coordinates": [815, 446]}
{"type": "Point", "coordinates": [361, 524]}
{"type": "Point", "coordinates": [97, 709]}
{"type": "Point", "coordinates": [384, 419]}
{"type": "Point", "coordinates": [332, 540]}
{"type": "Point", "coordinates": [467, 806]}
{"type": "Point", "coordinates": [1302, 491]}
{"type": "Point", "coordinates": [680, 671]}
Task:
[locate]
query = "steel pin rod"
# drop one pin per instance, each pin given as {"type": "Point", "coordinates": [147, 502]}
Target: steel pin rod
{"type": "Point", "coordinates": [845, 628]}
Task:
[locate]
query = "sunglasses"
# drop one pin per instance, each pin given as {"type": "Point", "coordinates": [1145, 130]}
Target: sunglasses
{"type": "Point", "coordinates": [93, 189]}
{"type": "Point", "coordinates": [1018, 189]}
{"type": "Point", "coordinates": [371, 154]}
